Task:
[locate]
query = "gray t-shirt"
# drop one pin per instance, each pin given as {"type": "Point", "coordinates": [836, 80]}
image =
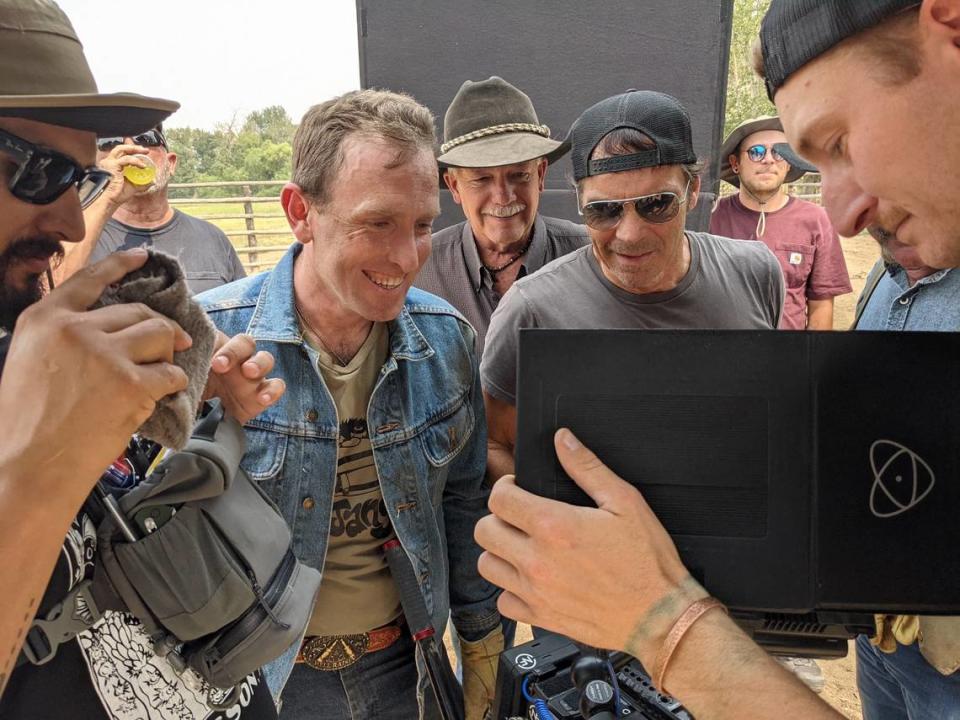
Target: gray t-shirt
{"type": "Point", "coordinates": [731, 284]}
{"type": "Point", "coordinates": [207, 257]}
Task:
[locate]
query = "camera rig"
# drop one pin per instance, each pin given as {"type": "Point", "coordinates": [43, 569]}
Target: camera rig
{"type": "Point", "coordinates": [537, 680]}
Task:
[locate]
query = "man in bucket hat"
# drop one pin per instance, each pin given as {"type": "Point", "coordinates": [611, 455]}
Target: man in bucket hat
{"type": "Point", "coordinates": [495, 155]}
{"type": "Point", "coordinates": [798, 232]}
{"type": "Point", "coordinates": [855, 84]}
{"type": "Point", "coordinates": [637, 176]}
{"type": "Point", "coordinates": [77, 383]}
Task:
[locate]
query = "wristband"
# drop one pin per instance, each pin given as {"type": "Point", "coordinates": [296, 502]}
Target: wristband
{"type": "Point", "coordinates": [683, 623]}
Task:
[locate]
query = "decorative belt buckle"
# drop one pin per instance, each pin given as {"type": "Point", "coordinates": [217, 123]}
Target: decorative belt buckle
{"type": "Point", "coordinates": [334, 652]}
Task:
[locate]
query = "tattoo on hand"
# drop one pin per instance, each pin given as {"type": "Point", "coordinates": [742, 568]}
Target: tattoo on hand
{"type": "Point", "coordinates": [665, 610]}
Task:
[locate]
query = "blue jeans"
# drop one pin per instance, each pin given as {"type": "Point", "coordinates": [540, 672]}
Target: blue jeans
{"type": "Point", "coordinates": [903, 685]}
{"type": "Point", "coordinates": [380, 685]}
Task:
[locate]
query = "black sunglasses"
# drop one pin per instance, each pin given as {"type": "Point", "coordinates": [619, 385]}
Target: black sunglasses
{"type": "Point", "coordinates": [151, 138]}
{"type": "Point", "coordinates": [757, 153]}
{"type": "Point", "coordinates": [658, 208]}
{"type": "Point", "coordinates": [42, 175]}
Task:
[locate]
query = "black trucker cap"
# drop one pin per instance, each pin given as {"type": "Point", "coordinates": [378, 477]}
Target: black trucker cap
{"type": "Point", "coordinates": [660, 117]}
{"type": "Point", "coordinates": [794, 32]}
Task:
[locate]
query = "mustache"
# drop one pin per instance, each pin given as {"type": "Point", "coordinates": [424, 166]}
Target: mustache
{"type": "Point", "coordinates": [34, 248]}
{"type": "Point", "coordinates": [881, 234]}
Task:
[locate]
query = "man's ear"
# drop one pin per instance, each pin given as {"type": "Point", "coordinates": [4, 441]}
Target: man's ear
{"type": "Point", "coordinates": [450, 179]}
{"type": "Point", "coordinates": [172, 162]}
{"type": "Point", "coordinates": [734, 163]}
{"type": "Point", "coordinates": [940, 19]}
{"type": "Point", "coordinates": [694, 193]}
{"type": "Point", "coordinates": [296, 207]}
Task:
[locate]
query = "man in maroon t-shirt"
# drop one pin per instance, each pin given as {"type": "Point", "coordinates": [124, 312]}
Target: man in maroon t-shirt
{"type": "Point", "coordinates": [798, 232]}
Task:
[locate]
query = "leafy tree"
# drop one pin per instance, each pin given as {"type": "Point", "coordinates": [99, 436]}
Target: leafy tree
{"type": "Point", "coordinates": [746, 95]}
{"type": "Point", "coordinates": [258, 148]}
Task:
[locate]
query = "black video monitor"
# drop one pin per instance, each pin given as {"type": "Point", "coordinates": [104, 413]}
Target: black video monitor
{"type": "Point", "coordinates": [798, 472]}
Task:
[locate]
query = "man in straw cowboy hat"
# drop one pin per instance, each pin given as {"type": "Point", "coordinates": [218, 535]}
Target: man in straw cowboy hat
{"type": "Point", "coordinates": [77, 383]}
{"type": "Point", "coordinates": [495, 154]}
{"type": "Point", "coordinates": [869, 91]}
{"type": "Point", "coordinates": [797, 231]}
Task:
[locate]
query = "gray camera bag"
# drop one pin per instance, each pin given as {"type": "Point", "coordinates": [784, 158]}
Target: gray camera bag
{"type": "Point", "coordinates": [217, 586]}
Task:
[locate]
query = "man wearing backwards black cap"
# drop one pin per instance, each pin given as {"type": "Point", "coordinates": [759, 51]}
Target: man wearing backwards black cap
{"type": "Point", "coordinates": [637, 175]}
{"type": "Point", "coordinates": [77, 383]}
{"type": "Point", "coordinates": [870, 93]}
{"type": "Point", "coordinates": [889, 161]}
{"type": "Point", "coordinates": [495, 155]}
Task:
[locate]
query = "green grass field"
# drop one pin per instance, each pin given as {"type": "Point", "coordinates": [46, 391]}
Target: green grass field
{"type": "Point", "coordinates": [268, 218]}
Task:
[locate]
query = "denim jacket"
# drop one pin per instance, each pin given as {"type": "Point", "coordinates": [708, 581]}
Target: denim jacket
{"type": "Point", "coordinates": [428, 433]}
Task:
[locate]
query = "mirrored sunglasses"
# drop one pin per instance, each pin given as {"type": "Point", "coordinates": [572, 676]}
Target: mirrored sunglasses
{"type": "Point", "coordinates": [757, 153]}
{"type": "Point", "coordinates": [658, 208]}
{"type": "Point", "coordinates": [40, 175]}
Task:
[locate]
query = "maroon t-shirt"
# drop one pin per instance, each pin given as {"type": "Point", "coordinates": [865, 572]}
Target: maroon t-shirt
{"type": "Point", "coordinates": [805, 243]}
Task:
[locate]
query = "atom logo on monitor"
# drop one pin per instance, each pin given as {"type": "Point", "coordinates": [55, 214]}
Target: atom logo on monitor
{"type": "Point", "coordinates": [901, 479]}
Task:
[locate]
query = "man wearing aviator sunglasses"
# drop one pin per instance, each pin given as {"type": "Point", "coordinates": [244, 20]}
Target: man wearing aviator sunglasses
{"type": "Point", "coordinates": [127, 216]}
{"type": "Point", "coordinates": [798, 232]}
{"type": "Point", "coordinates": [637, 176]}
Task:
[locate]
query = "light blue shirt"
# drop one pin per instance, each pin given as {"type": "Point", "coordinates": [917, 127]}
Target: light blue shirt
{"type": "Point", "coordinates": [933, 303]}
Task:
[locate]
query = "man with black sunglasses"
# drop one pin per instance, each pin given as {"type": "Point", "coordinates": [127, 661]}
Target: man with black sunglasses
{"type": "Point", "coordinates": [637, 175]}
{"type": "Point", "coordinates": [797, 231]}
{"type": "Point", "coordinates": [127, 216]}
{"type": "Point", "coordinates": [76, 383]}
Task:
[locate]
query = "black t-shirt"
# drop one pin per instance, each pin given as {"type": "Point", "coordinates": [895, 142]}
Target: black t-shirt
{"type": "Point", "coordinates": [109, 671]}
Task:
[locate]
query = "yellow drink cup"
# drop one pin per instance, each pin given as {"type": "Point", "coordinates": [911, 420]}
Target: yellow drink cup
{"type": "Point", "coordinates": [141, 176]}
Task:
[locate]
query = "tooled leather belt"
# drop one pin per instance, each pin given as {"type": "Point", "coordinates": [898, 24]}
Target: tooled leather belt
{"type": "Point", "coordinates": [336, 652]}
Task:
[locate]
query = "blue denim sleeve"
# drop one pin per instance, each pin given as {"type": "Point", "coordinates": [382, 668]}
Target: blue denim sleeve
{"type": "Point", "coordinates": [473, 600]}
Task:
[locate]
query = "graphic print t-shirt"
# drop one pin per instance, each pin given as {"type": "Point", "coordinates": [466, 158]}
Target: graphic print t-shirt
{"type": "Point", "coordinates": [110, 672]}
{"type": "Point", "coordinates": [357, 592]}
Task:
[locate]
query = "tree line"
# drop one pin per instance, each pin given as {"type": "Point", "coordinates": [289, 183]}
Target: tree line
{"type": "Point", "coordinates": [259, 146]}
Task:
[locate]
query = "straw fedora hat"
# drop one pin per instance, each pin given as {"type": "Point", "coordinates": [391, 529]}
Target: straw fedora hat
{"type": "Point", "coordinates": [44, 76]}
{"type": "Point", "coordinates": [744, 130]}
{"type": "Point", "coordinates": [490, 123]}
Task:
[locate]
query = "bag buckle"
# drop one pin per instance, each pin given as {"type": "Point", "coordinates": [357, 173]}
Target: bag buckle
{"type": "Point", "coordinates": [77, 612]}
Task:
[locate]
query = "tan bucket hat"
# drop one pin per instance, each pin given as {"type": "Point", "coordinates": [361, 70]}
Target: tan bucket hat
{"type": "Point", "coordinates": [491, 123]}
{"type": "Point", "coordinates": [44, 76]}
{"type": "Point", "coordinates": [745, 130]}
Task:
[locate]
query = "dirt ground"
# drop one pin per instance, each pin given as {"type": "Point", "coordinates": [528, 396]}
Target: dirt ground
{"type": "Point", "coordinates": [861, 253]}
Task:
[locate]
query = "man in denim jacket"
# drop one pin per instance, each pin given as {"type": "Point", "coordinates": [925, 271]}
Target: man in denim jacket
{"type": "Point", "coordinates": [381, 433]}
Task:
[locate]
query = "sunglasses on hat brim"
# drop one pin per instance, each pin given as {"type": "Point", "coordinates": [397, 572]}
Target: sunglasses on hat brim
{"type": "Point", "coordinates": [41, 175]}
{"type": "Point", "coordinates": [657, 208]}
{"type": "Point", "coordinates": [151, 138]}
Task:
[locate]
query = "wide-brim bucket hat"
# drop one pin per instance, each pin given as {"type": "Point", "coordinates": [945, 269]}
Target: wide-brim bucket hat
{"type": "Point", "coordinates": [44, 76]}
{"type": "Point", "coordinates": [745, 130]}
{"type": "Point", "coordinates": [491, 123]}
